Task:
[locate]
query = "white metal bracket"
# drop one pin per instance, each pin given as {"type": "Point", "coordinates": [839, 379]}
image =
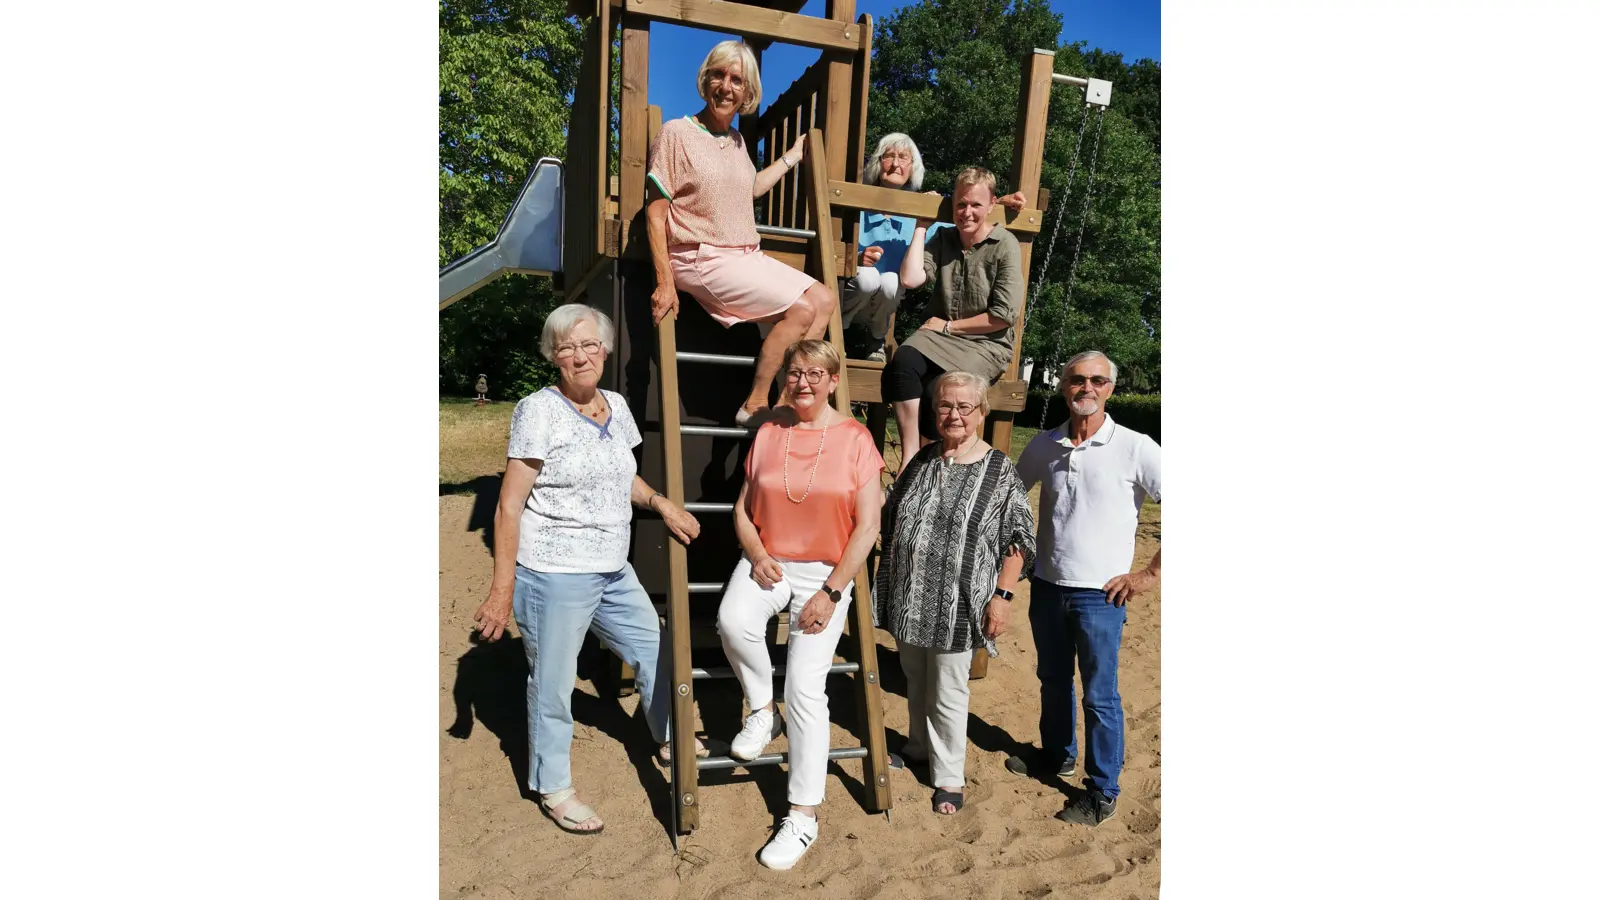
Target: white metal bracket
{"type": "Point", "coordinates": [1097, 92]}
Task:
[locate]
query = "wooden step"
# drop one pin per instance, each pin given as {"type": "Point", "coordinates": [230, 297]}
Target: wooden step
{"type": "Point", "coordinates": [866, 386]}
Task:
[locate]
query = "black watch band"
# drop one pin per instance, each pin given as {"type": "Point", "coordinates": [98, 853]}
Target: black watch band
{"type": "Point", "coordinates": [833, 593]}
{"type": "Point", "coordinates": [1002, 594]}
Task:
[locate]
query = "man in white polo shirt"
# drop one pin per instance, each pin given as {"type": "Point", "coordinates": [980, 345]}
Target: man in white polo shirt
{"type": "Point", "coordinates": [1096, 475]}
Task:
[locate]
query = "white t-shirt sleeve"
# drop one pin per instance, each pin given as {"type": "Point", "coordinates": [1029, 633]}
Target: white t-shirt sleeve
{"type": "Point", "coordinates": [530, 431]}
{"type": "Point", "coordinates": [627, 428]}
{"type": "Point", "coordinates": [1147, 467]}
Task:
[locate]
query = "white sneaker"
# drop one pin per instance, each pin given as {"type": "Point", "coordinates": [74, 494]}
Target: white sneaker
{"type": "Point", "coordinates": [761, 728]}
{"type": "Point", "coordinates": [794, 837]}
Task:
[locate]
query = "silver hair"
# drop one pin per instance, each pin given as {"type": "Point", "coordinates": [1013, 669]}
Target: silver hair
{"type": "Point", "coordinates": [979, 386]}
{"type": "Point", "coordinates": [720, 57]}
{"type": "Point", "coordinates": [896, 141]}
{"type": "Point", "coordinates": [559, 324]}
{"type": "Point", "coordinates": [1088, 354]}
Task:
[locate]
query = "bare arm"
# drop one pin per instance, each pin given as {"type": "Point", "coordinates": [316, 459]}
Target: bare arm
{"type": "Point", "coordinates": [683, 525]}
{"type": "Point", "coordinates": [495, 613]}
{"type": "Point", "coordinates": [780, 167]}
{"type": "Point", "coordinates": [913, 274]}
{"type": "Point", "coordinates": [664, 299]}
{"type": "Point", "coordinates": [997, 615]}
{"type": "Point", "coordinates": [1123, 588]}
{"type": "Point", "coordinates": [763, 568]}
{"type": "Point", "coordinates": [982, 323]}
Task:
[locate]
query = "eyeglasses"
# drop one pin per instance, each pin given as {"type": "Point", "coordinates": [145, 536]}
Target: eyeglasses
{"type": "Point", "coordinates": [589, 348]}
{"type": "Point", "coordinates": [1098, 381]}
{"type": "Point", "coordinates": [901, 156]}
{"type": "Point", "coordinates": [812, 376]}
{"type": "Point", "coordinates": [965, 409]}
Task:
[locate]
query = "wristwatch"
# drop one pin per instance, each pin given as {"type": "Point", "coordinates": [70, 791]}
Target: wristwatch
{"type": "Point", "coordinates": [946, 326]}
{"type": "Point", "coordinates": [834, 594]}
{"type": "Point", "coordinates": [1002, 594]}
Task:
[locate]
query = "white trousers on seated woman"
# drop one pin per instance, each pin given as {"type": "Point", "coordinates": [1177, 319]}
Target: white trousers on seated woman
{"type": "Point", "coordinates": [742, 620]}
{"type": "Point", "coordinates": [871, 296]}
{"type": "Point", "coordinates": [938, 695]}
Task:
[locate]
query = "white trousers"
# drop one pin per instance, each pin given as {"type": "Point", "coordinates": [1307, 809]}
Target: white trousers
{"type": "Point", "coordinates": [742, 622]}
{"type": "Point", "coordinates": [937, 694]}
{"type": "Point", "coordinates": [871, 296]}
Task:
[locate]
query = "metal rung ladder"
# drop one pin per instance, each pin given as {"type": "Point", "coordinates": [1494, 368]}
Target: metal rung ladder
{"type": "Point", "coordinates": [685, 766]}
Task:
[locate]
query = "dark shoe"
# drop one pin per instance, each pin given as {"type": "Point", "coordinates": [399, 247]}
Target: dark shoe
{"type": "Point", "coordinates": [1090, 808]}
{"type": "Point", "coordinates": [954, 798]}
{"type": "Point", "coordinates": [1017, 765]}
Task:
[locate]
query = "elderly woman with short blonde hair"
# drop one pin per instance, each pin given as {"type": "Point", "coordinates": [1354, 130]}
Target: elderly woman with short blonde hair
{"type": "Point", "coordinates": [957, 535]}
{"type": "Point", "coordinates": [561, 534]}
{"type": "Point", "coordinates": [702, 223]}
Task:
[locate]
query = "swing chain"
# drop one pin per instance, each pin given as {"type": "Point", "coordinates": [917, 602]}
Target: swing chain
{"type": "Point", "coordinates": [1083, 225]}
{"type": "Point", "coordinates": [1055, 232]}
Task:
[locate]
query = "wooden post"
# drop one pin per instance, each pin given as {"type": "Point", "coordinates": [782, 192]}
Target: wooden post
{"type": "Point", "coordinates": [837, 121]}
{"type": "Point", "coordinates": [635, 125]}
{"type": "Point", "coordinates": [1027, 162]}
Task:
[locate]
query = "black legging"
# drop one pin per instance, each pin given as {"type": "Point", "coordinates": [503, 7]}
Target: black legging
{"type": "Point", "coordinates": [908, 376]}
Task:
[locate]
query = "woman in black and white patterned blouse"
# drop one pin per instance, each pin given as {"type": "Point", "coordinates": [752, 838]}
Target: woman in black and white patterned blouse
{"type": "Point", "coordinates": [957, 534]}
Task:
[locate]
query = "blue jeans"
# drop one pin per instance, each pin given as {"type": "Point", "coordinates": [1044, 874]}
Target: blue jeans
{"type": "Point", "coordinates": [1077, 623]}
{"type": "Point", "coordinates": [553, 611]}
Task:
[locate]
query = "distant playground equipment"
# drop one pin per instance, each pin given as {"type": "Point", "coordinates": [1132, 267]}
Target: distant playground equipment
{"type": "Point", "coordinates": [593, 245]}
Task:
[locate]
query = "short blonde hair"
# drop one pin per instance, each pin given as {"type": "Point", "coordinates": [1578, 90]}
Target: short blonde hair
{"type": "Point", "coordinates": [963, 379]}
{"type": "Point", "coordinates": [896, 141]}
{"type": "Point", "coordinates": [720, 57]}
{"type": "Point", "coordinates": [559, 324]}
{"type": "Point", "coordinates": [976, 175]}
{"type": "Point", "coordinates": [820, 352]}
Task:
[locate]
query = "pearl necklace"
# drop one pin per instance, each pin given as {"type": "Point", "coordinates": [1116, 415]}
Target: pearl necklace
{"type": "Point", "coordinates": [815, 463]}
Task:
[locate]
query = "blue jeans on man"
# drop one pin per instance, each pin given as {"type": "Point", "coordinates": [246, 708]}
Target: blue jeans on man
{"type": "Point", "coordinates": [1078, 624]}
{"type": "Point", "coordinates": [553, 610]}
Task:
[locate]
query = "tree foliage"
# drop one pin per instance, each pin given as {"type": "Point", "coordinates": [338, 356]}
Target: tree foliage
{"type": "Point", "coordinates": [506, 74]}
{"type": "Point", "coordinates": [948, 73]}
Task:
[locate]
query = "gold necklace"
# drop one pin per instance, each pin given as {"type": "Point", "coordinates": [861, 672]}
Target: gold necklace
{"type": "Point", "coordinates": [814, 464]}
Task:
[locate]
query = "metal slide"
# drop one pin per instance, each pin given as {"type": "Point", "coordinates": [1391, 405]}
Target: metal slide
{"type": "Point", "coordinates": [528, 242]}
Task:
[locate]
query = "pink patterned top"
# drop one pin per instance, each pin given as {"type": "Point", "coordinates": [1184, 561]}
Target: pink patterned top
{"type": "Point", "coordinates": [708, 180]}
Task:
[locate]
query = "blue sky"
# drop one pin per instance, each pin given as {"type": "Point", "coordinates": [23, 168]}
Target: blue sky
{"type": "Point", "coordinates": [1131, 27]}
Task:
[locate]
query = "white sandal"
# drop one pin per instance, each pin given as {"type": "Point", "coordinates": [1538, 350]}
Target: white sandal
{"type": "Point", "coordinates": [573, 817]}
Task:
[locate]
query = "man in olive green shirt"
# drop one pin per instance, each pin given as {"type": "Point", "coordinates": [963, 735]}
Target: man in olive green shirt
{"type": "Point", "coordinates": [976, 269]}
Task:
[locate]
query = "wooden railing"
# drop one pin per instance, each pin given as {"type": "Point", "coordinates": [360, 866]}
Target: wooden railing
{"type": "Point", "coordinates": [794, 113]}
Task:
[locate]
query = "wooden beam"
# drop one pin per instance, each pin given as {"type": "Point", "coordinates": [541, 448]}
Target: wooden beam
{"type": "Point", "coordinates": [894, 201]}
{"type": "Point", "coordinates": [635, 125]}
{"type": "Point", "coordinates": [750, 22]}
{"type": "Point", "coordinates": [866, 375]}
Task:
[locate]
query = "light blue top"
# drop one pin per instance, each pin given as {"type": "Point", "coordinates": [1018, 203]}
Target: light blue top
{"type": "Point", "coordinates": [893, 234]}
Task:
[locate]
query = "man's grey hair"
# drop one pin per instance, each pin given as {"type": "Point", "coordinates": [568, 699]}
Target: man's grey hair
{"type": "Point", "coordinates": [896, 141]}
{"type": "Point", "coordinates": [979, 386]}
{"type": "Point", "coordinates": [559, 324]}
{"type": "Point", "coordinates": [1088, 354]}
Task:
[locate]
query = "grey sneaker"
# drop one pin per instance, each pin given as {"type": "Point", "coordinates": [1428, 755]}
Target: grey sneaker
{"type": "Point", "coordinates": [1090, 808]}
{"type": "Point", "coordinates": [877, 355]}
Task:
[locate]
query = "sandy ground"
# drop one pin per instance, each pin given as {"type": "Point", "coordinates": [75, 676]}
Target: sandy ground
{"type": "Point", "coordinates": [495, 843]}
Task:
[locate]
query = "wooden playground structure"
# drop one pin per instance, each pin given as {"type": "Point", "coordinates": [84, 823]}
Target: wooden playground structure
{"type": "Point", "coordinates": [809, 222]}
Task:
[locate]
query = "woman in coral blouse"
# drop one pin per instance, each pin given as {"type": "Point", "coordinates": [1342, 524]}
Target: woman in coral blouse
{"type": "Point", "coordinates": [806, 518]}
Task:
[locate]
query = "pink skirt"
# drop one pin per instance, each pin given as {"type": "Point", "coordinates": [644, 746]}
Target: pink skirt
{"type": "Point", "coordinates": [736, 284]}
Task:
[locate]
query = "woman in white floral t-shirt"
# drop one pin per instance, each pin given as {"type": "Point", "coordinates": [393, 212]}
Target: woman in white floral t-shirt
{"type": "Point", "coordinates": [561, 550]}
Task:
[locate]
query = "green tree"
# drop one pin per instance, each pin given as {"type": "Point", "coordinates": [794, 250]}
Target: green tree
{"type": "Point", "coordinates": [506, 75]}
{"type": "Point", "coordinates": [948, 73]}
